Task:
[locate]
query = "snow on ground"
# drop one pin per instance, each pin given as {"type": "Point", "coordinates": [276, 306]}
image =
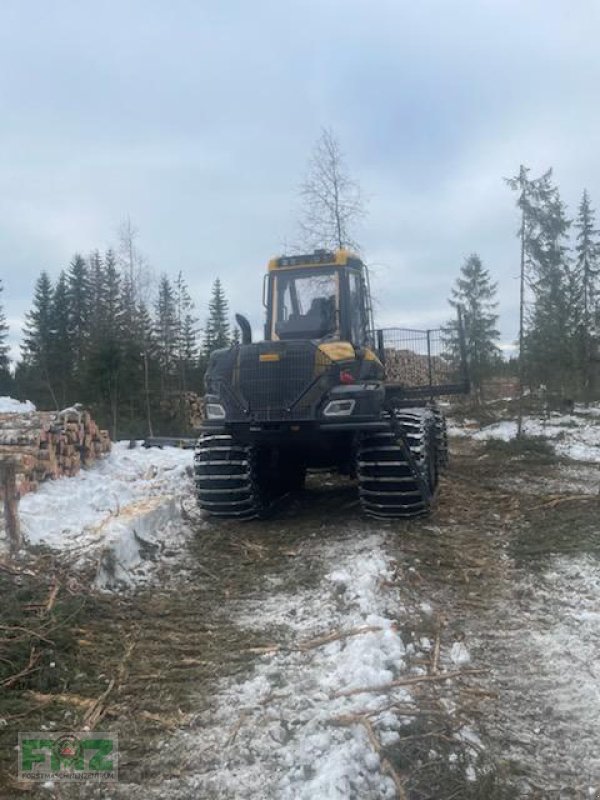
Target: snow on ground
{"type": "Point", "coordinates": [582, 479]}
{"type": "Point", "coordinates": [288, 745]}
{"type": "Point", "coordinates": [547, 672]}
{"type": "Point", "coordinates": [9, 405]}
{"type": "Point", "coordinates": [123, 513]}
{"type": "Point", "coordinates": [287, 731]}
{"type": "Point", "coordinates": [574, 436]}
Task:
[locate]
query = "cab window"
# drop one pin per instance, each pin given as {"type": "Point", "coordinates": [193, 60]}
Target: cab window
{"type": "Point", "coordinates": [356, 309]}
{"type": "Point", "coordinates": [307, 305]}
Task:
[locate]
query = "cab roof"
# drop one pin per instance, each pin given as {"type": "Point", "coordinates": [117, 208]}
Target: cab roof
{"type": "Point", "coordinates": [320, 258]}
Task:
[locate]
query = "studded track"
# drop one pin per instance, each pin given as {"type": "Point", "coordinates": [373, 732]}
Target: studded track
{"type": "Point", "coordinates": [225, 478]}
{"type": "Point", "coordinates": [397, 469]}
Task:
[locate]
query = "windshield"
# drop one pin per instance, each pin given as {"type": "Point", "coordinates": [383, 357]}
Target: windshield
{"type": "Point", "coordinates": [306, 305]}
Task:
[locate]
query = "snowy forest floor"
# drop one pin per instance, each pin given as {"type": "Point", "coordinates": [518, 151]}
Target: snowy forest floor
{"type": "Point", "coordinates": [318, 654]}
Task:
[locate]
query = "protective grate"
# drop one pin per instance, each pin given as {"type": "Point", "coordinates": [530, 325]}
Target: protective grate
{"type": "Point", "coordinates": [283, 383]}
{"type": "Point", "coordinates": [422, 360]}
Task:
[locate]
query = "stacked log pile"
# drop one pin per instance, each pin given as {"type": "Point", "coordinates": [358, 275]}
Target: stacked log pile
{"type": "Point", "coordinates": [412, 369]}
{"type": "Point", "coordinates": [45, 444]}
{"type": "Point", "coordinates": [194, 405]}
{"type": "Point", "coordinates": [185, 408]}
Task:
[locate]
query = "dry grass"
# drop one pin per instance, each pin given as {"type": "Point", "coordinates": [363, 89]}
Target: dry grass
{"type": "Point", "coordinates": [147, 665]}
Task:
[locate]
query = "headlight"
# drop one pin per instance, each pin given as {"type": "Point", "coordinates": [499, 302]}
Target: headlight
{"type": "Point", "coordinates": [215, 411]}
{"type": "Point", "coordinates": [339, 408]}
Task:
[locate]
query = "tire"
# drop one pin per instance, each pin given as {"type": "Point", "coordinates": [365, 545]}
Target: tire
{"type": "Point", "coordinates": [226, 478]}
{"type": "Point", "coordinates": [396, 469]}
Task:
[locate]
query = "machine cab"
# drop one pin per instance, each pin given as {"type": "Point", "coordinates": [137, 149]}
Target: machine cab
{"type": "Point", "coordinates": [322, 296]}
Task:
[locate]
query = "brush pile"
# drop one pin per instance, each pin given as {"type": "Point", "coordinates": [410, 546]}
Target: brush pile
{"type": "Point", "coordinates": [48, 444]}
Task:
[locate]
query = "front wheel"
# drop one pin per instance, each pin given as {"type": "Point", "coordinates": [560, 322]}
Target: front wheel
{"type": "Point", "coordinates": [225, 475]}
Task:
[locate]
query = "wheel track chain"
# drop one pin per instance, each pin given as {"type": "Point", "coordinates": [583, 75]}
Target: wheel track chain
{"type": "Point", "coordinates": [225, 478]}
{"type": "Point", "coordinates": [392, 467]}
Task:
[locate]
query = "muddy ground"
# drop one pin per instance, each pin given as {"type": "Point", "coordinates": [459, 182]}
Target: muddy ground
{"type": "Point", "coordinates": [506, 569]}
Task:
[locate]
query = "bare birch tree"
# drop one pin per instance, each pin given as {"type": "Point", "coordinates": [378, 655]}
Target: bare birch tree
{"type": "Point", "coordinates": [332, 202]}
{"type": "Point", "coordinates": [134, 265]}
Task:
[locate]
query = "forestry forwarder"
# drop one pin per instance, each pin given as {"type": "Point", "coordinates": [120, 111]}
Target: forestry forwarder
{"type": "Point", "coordinates": [314, 394]}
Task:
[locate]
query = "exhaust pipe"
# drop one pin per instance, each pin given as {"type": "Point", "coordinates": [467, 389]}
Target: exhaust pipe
{"type": "Point", "coordinates": [245, 328]}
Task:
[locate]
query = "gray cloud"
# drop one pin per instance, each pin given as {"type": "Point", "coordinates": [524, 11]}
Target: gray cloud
{"type": "Point", "coordinates": [197, 119]}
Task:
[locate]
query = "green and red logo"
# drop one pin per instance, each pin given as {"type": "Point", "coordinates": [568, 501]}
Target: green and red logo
{"type": "Point", "coordinates": [73, 756]}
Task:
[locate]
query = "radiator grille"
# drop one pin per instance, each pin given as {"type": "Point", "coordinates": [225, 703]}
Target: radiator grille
{"type": "Point", "coordinates": [283, 384]}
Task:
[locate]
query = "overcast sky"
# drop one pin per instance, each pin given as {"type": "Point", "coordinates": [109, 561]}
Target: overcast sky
{"type": "Point", "coordinates": [196, 118]}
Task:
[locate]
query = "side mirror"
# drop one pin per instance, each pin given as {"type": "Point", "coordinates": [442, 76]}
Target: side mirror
{"type": "Point", "coordinates": [245, 329]}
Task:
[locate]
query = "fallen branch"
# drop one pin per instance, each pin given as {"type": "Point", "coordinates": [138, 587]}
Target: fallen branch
{"type": "Point", "coordinates": [34, 657]}
{"type": "Point", "coordinates": [171, 723]}
{"type": "Point", "coordinates": [68, 699]}
{"type": "Point", "coordinates": [319, 641]}
{"type": "Point", "coordinates": [236, 728]}
{"type": "Point", "coordinates": [310, 644]}
{"type": "Point", "coordinates": [555, 501]}
{"type": "Point", "coordinates": [478, 692]}
{"type": "Point", "coordinates": [88, 704]}
{"type": "Point", "coordinates": [27, 631]}
{"type": "Point", "coordinates": [267, 649]}
{"type": "Point", "coordinates": [435, 656]}
{"type": "Point", "coordinates": [95, 713]}
{"type": "Point", "coordinates": [384, 687]}
{"type": "Point", "coordinates": [9, 568]}
{"type": "Point", "coordinates": [385, 763]}
{"type": "Point", "coordinates": [52, 597]}
{"type": "Point", "coordinates": [363, 719]}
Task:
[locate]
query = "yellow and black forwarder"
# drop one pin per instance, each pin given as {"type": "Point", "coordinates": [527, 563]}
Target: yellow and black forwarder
{"type": "Point", "coordinates": [315, 394]}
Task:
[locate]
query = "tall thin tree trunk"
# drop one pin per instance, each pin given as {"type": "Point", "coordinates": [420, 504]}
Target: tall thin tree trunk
{"type": "Point", "coordinates": [50, 389]}
{"type": "Point", "coordinates": [147, 394]}
{"type": "Point", "coordinates": [521, 327]}
{"type": "Point", "coordinates": [587, 356]}
{"type": "Point", "coordinates": [114, 409]}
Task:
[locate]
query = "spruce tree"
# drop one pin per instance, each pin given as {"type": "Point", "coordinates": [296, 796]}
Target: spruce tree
{"type": "Point", "coordinates": [587, 270]}
{"type": "Point", "coordinates": [37, 343]}
{"type": "Point", "coordinates": [167, 331]}
{"type": "Point", "coordinates": [216, 331]}
{"type": "Point", "coordinates": [187, 345]}
{"type": "Point", "coordinates": [475, 294]}
{"type": "Point", "coordinates": [5, 379]}
{"type": "Point", "coordinates": [80, 307]}
{"type": "Point", "coordinates": [112, 308]}
{"type": "Point", "coordinates": [98, 289]}
{"type": "Point", "coordinates": [60, 354]}
{"type": "Point", "coordinates": [532, 193]}
{"type": "Point", "coordinates": [131, 364]}
{"type": "Point", "coordinates": [551, 321]}
{"type": "Point", "coordinates": [104, 359]}
{"type": "Point", "coordinates": [150, 361]}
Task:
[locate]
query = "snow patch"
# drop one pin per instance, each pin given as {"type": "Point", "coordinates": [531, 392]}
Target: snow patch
{"type": "Point", "coordinates": [574, 436]}
{"type": "Point", "coordinates": [459, 654]}
{"type": "Point", "coordinates": [123, 514]}
{"type": "Point", "coordinates": [8, 405]}
{"type": "Point", "coordinates": [294, 738]}
{"type": "Point", "coordinates": [546, 672]}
